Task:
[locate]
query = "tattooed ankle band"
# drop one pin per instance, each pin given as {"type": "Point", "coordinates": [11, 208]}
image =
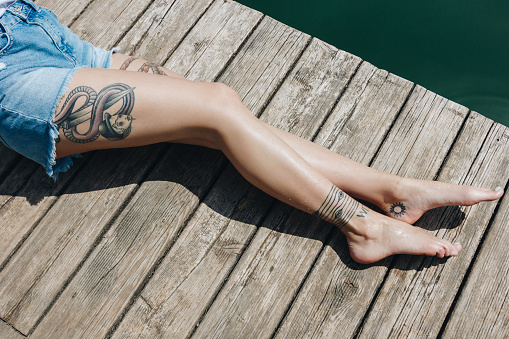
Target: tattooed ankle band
{"type": "Point", "coordinates": [338, 208]}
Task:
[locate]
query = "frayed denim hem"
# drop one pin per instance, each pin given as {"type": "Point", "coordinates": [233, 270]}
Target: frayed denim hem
{"type": "Point", "coordinates": [55, 166]}
{"type": "Point", "coordinates": [112, 51]}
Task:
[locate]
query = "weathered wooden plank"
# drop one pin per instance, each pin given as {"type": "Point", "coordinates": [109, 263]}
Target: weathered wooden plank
{"type": "Point", "coordinates": [66, 11]}
{"type": "Point", "coordinates": [365, 114]}
{"type": "Point", "coordinates": [338, 292]}
{"type": "Point", "coordinates": [417, 294]}
{"type": "Point", "coordinates": [210, 245]}
{"type": "Point", "coordinates": [213, 40]}
{"type": "Point", "coordinates": [269, 272]}
{"type": "Point", "coordinates": [35, 274]}
{"type": "Point", "coordinates": [261, 65]}
{"type": "Point", "coordinates": [15, 179]}
{"type": "Point", "coordinates": [7, 332]}
{"type": "Point", "coordinates": [161, 28]}
{"type": "Point", "coordinates": [26, 195]}
{"type": "Point", "coordinates": [14, 232]}
{"type": "Point", "coordinates": [318, 79]}
{"type": "Point", "coordinates": [267, 276]}
{"type": "Point", "coordinates": [326, 306]}
{"type": "Point", "coordinates": [199, 262]}
{"type": "Point", "coordinates": [22, 209]}
{"type": "Point", "coordinates": [108, 292]}
{"type": "Point", "coordinates": [342, 301]}
{"type": "Point", "coordinates": [413, 147]}
{"type": "Point", "coordinates": [9, 160]}
{"type": "Point", "coordinates": [482, 310]}
{"type": "Point", "coordinates": [121, 261]}
{"type": "Point", "coordinates": [349, 102]}
{"type": "Point", "coordinates": [332, 300]}
{"type": "Point", "coordinates": [104, 22]}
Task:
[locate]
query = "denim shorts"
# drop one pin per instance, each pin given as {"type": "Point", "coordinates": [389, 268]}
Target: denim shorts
{"type": "Point", "coordinates": [38, 58]}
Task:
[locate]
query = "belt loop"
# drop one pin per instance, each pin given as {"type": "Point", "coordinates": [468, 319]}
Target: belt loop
{"type": "Point", "coordinates": [32, 4]}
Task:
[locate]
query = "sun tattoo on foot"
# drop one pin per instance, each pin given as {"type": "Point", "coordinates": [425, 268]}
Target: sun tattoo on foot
{"type": "Point", "coordinates": [398, 209]}
{"type": "Point", "coordinates": [85, 123]}
{"type": "Point", "coordinates": [338, 208]}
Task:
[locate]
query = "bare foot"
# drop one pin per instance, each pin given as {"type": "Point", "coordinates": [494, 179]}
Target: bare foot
{"type": "Point", "coordinates": [376, 236]}
{"type": "Point", "coordinates": [412, 198]}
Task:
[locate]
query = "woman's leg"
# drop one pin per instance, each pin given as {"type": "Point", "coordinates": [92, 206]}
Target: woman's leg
{"type": "Point", "coordinates": [115, 108]}
{"type": "Point", "coordinates": [400, 198]}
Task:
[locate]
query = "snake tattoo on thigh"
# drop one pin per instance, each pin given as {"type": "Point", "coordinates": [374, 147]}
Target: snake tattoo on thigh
{"type": "Point", "coordinates": [116, 126]}
{"type": "Point", "coordinates": [111, 125]}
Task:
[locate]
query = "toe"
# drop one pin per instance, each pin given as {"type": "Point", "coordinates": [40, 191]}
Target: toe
{"type": "Point", "coordinates": [456, 248]}
{"type": "Point", "coordinates": [440, 252]}
{"type": "Point", "coordinates": [480, 194]}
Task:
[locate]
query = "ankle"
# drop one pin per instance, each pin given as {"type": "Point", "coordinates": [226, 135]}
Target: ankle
{"type": "Point", "coordinates": [362, 227]}
{"type": "Point", "coordinates": [394, 190]}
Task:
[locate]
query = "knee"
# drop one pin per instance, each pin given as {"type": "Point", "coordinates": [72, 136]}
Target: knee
{"type": "Point", "coordinates": [230, 116]}
{"type": "Point", "coordinates": [223, 97]}
{"type": "Point", "coordinates": [226, 106]}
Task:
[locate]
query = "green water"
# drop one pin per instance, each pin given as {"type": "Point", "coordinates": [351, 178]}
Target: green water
{"type": "Point", "coordinates": [458, 49]}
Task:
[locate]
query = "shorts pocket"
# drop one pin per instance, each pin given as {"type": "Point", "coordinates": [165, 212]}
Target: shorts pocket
{"type": "Point", "coordinates": [5, 41]}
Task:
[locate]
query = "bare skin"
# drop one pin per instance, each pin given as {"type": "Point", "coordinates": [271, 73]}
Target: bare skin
{"type": "Point", "coordinates": [132, 108]}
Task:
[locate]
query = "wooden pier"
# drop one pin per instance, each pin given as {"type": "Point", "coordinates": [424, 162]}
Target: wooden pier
{"type": "Point", "coordinates": [172, 242]}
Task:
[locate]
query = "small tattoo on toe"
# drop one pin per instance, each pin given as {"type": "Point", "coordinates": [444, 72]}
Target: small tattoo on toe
{"type": "Point", "coordinates": [398, 209]}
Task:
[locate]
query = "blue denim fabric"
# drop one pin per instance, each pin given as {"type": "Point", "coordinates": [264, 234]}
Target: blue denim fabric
{"type": "Point", "coordinates": [38, 57]}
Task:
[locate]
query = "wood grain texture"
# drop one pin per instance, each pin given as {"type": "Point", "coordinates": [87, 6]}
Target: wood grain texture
{"type": "Point", "coordinates": [7, 332]}
{"type": "Point", "coordinates": [48, 232]}
{"type": "Point", "coordinates": [343, 299]}
{"type": "Point", "coordinates": [365, 113]}
{"type": "Point", "coordinates": [103, 23]}
{"type": "Point", "coordinates": [25, 196]}
{"type": "Point", "coordinates": [418, 292]}
{"type": "Point", "coordinates": [25, 314]}
{"type": "Point", "coordinates": [482, 310]}
{"type": "Point", "coordinates": [38, 270]}
{"type": "Point", "coordinates": [66, 11]}
{"type": "Point", "coordinates": [311, 89]}
{"type": "Point", "coordinates": [328, 305]}
{"type": "Point", "coordinates": [9, 160]}
{"type": "Point", "coordinates": [414, 147]}
{"type": "Point", "coordinates": [199, 262]}
{"type": "Point", "coordinates": [213, 40]}
{"type": "Point", "coordinates": [161, 28]}
{"type": "Point", "coordinates": [260, 66]}
{"type": "Point", "coordinates": [107, 312]}
{"type": "Point", "coordinates": [138, 238]}
{"type": "Point", "coordinates": [268, 274]}
{"type": "Point", "coordinates": [215, 237]}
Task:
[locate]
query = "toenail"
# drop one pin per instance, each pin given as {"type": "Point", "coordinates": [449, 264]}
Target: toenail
{"type": "Point", "coordinates": [497, 188]}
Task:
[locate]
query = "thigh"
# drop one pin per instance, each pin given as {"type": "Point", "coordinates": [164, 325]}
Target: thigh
{"type": "Point", "coordinates": [107, 108]}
